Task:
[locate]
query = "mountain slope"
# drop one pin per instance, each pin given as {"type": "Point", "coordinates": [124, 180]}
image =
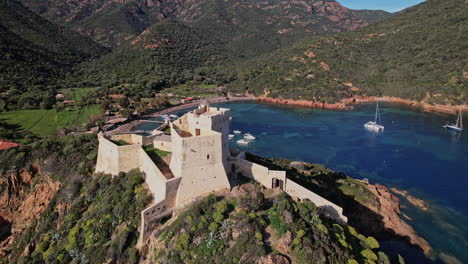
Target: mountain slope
{"type": "Point", "coordinates": [167, 52]}
{"type": "Point", "coordinates": [36, 50]}
{"type": "Point", "coordinates": [421, 53]}
{"type": "Point", "coordinates": [113, 22]}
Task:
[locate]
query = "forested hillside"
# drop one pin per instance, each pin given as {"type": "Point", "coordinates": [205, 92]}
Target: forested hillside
{"type": "Point", "coordinates": [421, 53]}
{"type": "Point", "coordinates": [118, 21]}
{"type": "Point", "coordinates": [164, 54]}
{"type": "Point", "coordinates": [34, 52]}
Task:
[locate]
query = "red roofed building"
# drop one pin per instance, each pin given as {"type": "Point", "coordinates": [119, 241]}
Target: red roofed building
{"type": "Point", "coordinates": [5, 144]}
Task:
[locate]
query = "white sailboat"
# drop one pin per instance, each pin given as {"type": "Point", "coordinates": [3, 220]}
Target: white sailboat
{"type": "Point", "coordinates": [459, 125]}
{"type": "Point", "coordinates": [376, 124]}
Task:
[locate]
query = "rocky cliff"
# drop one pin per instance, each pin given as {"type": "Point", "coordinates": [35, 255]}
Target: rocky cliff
{"type": "Point", "coordinates": [23, 198]}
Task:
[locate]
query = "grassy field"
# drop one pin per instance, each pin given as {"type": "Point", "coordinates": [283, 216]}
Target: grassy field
{"type": "Point", "coordinates": [48, 122]}
{"type": "Point", "coordinates": [185, 90]}
{"type": "Point", "coordinates": [76, 94]}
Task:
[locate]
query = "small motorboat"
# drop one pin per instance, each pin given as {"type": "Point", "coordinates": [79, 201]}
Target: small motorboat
{"type": "Point", "coordinates": [237, 131]}
{"type": "Point", "coordinates": [249, 136]}
{"type": "Point", "coordinates": [242, 142]}
{"type": "Point", "coordinates": [231, 136]}
{"type": "Point", "coordinates": [174, 116]}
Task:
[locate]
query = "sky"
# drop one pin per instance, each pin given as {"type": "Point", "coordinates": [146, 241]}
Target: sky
{"type": "Point", "coordinates": [387, 5]}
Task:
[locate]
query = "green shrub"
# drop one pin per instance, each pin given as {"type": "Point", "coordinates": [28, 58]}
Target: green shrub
{"type": "Point", "coordinates": [371, 243]}
{"type": "Point", "coordinates": [213, 226]}
{"type": "Point", "coordinates": [276, 222]}
{"type": "Point", "coordinates": [183, 242]}
{"type": "Point", "coordinates": [383, 258]}
{"type": "Point", "coordinates": [369, 254]}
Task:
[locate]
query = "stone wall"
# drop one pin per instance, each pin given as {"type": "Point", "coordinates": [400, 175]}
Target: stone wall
{"type": "Point", "coordinates": [266, 177]}
{"type": "Point", "coordinates": [328, 208]}
{"type": "Point", "coordinates": [129, 138]}
{"type": "Point", "coordinates": [134, 138]}
{"type": "Point", "coordinates": [257, 172]}
{"type": "Point", "coordinates": [153, 176]}
{"type": "Point", "coordinates": [108, 157]}
{"type": "Point", "coordinates": [162, 141]}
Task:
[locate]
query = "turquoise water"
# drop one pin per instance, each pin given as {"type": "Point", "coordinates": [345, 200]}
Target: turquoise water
{"type": "Point", "coordinates": [414, 153]}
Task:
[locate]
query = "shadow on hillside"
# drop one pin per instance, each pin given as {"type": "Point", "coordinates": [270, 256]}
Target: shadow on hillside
{"type": "Point", "coordinates": [359, 216]}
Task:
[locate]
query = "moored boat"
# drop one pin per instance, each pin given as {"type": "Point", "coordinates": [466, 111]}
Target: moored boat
{"type": "Point", "coordinates": [375, 125]}
{"type": "Point", "coordinates": [242, 142]}
{"type": "Point", "coordinates": [457, 126]}
{"type": "Point", "coordinates": [237, 131]}
{"type": "Point", "coordinates": [249, 136]}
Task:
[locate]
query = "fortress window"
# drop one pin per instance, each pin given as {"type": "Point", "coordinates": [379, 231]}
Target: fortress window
{"type": "Point", "coordinates": [208, 157]}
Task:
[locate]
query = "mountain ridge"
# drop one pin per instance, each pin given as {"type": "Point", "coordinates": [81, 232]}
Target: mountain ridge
{"type": "Point", "coordinates": [113, 22]}
{"type": "Point", "coordinates": [418, 54]}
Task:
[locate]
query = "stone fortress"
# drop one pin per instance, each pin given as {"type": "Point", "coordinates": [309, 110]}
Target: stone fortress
{"type": "Point", "coordinates": [200, 163]}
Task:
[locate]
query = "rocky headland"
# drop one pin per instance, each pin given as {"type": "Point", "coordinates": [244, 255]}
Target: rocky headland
{"type": "Point", "coordinates": [371, 208]}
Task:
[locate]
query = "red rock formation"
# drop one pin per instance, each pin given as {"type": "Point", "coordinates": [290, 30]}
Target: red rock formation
{"type": "Point", "coordinates": [342, 105]}
{"type": "Point", "coordinates": [25, 197]}
{"type": "Point", "coordinates": [387, 218]}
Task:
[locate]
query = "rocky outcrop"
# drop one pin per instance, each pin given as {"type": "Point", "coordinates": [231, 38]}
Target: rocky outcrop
{"type": "Point", "coordinates": [421, 204]}
{"type": "Point", "coordinates": [342, 105]}
{"type": "Point", "coordinates": [25, 196]}
{"type": "Point", "coordinates": [382, 218]}
{"type": "Point", "coordinates": [273, 259]}
{"type": "Point", "coordinates": [347, 103]}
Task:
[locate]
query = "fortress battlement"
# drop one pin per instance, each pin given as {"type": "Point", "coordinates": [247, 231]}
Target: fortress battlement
{"type": "Point", "coordinates": [199, 163]}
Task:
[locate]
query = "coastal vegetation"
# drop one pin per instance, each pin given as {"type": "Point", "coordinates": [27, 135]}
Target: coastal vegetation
{"type": "Point", "coordinates": [84, 213]}
{"type": "Point", "coordinates": [254, 224]}
{"type": "Point", "coordinates": [89, 219]}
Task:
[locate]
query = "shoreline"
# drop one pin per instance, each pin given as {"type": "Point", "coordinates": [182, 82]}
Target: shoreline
{"type": "Point", "coordinates": [347, 103]}
{"type": "Point", "coordinates": [342, 105]}
{"type": "Point", "coordinates": [125, 128]}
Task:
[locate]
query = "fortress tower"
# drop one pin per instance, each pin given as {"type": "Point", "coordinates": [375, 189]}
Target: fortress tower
{"type": "Point", "coordinates": [200, 151]}
{"type": "Point", "coordinates": [199, 164]}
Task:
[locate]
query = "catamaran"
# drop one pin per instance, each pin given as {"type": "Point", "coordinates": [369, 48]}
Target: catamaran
{"type": "Point", "coordinates": [459, 125]}
{"type": "Point", "coordinates": [375, 125]}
